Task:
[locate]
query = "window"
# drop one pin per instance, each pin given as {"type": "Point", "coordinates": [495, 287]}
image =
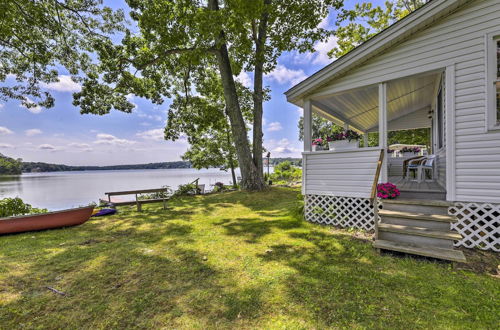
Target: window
{"type": "Point", "coordinates": [497, 82]}
{"type": "Point", "coordinates": [493, 92]}
{"type": "Point", "coordinates": [440, 120]}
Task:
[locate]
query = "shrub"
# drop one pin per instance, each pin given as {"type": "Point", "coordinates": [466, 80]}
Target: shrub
{"type": "Point", "coordinates": [15, 206]}
{"type": "Point", "coordinates": [187, 189]}
{"type": "Point", "coordinates": [159, 194]}
{"type": "Point", "coordinates": [387, 191]}
{"type": "Point", "coordinates": [286, 172]}
{"type": "Point", "coordinates": [219, 186]}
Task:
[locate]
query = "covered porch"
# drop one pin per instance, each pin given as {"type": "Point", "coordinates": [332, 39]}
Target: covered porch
{"type": "Point", "coordinates": [412, 102]}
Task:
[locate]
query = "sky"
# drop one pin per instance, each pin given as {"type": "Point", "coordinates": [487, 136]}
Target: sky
{"type": "Point", "coordinates": [64, 136]}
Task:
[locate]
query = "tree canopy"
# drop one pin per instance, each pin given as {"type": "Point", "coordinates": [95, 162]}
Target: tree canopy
{"type": "Point", "coordinates": [163, 53]}
{"type": "Point", "coordinates": [178, 40]}
{"type": "Point", "coordinates": [38, 38]}
{"type": "Point", "coordinates": [365, 20]}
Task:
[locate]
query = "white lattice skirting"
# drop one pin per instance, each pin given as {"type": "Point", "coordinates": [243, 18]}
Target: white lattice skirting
{"type": "Point", "coordinates": [479, 225]}
{"type": "Point", "coordinates": [345, 212]}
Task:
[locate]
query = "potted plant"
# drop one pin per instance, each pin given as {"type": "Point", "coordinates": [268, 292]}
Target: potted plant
{"type": "Point", "coordinates": [345, 140]}
{"type": "Point", "coordinates": [317, 144]}
{"type": "Point", "coordinates": [387, 191]}
{"type": "Point", "coordinates": [409, 151]}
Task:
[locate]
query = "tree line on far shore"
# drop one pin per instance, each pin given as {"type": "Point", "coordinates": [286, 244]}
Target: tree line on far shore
{"type": "Point", "coordinates": [11, 166]}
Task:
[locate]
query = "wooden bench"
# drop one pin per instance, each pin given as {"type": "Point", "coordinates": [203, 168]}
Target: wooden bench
{"type": "Point", "coordinates": [138, 201]}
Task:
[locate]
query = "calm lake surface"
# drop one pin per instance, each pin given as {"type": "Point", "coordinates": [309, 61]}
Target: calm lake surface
{"type": "Point", "coordinates": [60, 190]}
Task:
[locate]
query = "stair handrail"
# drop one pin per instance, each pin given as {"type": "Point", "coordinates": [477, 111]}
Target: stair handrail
{"type": "Point", "coordinates": [377, 176]}
{"type": "Point", "coordinates": [373, 196]}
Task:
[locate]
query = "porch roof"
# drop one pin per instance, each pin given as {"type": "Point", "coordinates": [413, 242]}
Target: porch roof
{"type": "Point", "coordinates": [396, 33]}
{"type": "Point", "coordinates": [408, 103]}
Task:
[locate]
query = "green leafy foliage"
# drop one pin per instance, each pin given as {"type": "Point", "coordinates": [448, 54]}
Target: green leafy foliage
{"type": "Point", "coordinates": [167, 193]}
{"type": "Point", "coordinates": [37, 37]}
{"type": "Point", "coordinates": [357, 25]}
{"type": "Point", "coordinates": [321, 127]}
{"type": "Point", "coordinates": [10, 166]}
{"type": "Point", "coordinates": [15, 206]}
{"type": "Point", "coordinates": [285, 172]}
{"type": "Point", "coordinates": [177, 41]}
{"type": "Point", "coordinates": [187, 190]}
{"type": "Point", "coordinates": [202, 119]}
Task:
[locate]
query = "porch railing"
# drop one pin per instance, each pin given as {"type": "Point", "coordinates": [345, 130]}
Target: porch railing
{"type": "Point", "coordinates": [349, 173]}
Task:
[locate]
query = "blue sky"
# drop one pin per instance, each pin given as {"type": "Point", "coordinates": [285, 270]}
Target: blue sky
{"type": "Point", "coordinates": [62, 135]}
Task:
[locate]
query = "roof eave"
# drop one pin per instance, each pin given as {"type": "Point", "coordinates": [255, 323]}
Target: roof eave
{"type": "Point", "coordinates": [399, 30]}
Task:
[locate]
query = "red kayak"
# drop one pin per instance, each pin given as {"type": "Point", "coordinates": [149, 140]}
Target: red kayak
{"type": "Point", "coordinates": [57, 219]}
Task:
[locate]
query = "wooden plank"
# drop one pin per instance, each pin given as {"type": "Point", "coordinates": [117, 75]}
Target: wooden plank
{"type": "Point", "coordinates": [133, 192]}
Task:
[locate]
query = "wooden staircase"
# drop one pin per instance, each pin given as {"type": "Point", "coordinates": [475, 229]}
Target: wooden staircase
{"type": "Point", "coordinates": [417, 226]}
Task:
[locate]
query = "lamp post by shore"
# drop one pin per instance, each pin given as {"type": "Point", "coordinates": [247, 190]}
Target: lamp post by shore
{"type": "Point", "coordinates": [268, 156]}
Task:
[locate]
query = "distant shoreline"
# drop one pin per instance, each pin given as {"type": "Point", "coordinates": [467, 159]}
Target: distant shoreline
{"type": "Point", "coordinates": [10, 166]}
{"type": "Point", "coordinates": [37, 167]}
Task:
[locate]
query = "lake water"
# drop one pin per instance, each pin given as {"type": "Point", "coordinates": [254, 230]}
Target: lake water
{"type": "Point", "coordinates": [60, 190]}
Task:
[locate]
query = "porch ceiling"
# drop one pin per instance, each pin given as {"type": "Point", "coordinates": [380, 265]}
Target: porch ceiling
{"type": "Point", "coordinates": [359, 108]}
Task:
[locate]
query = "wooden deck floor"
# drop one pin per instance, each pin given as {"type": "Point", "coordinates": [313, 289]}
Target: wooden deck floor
{"type": "Point", "coordinates": [408, 185]}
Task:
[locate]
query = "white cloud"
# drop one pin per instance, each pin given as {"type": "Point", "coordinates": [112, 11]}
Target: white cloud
{"type": "Point", "coordinates": [5, 130]}
{"type": "Point", "coordinates": [274, 126]}
{"type": "Point", "coordinates": [6, 146]}
{"type": "Point", "coordinates": [300, 111]}
{"type": "Point", "coordinates": [46, 147]}
{"type": "Point", "coordinates": [324, 24]}
{"type": "Point", "coordinates": [32, 132]}
{"type": "Point", "coordinates": [33, 109]}
{"type": "Point", "coordinates": [65, 84]}
{"type": "Point", "coordinates": [81, 146]}
{"type": "Point", "coordinates": [109, 139]}
{"type": "Point", "coordinates": [283, 147]}
{"type": "Point", "coordinates": [282, 75]}
{"type": "Point", "coordinates": [2, 106]}
{"type": "Point", "coordinates": [245, 79]}
{"type": "Point", "coordinates": [152, 134]}
{"type": "Point", "coordinates": [151, 117]}
{"type": "Point", "coordinates": [322, 49]}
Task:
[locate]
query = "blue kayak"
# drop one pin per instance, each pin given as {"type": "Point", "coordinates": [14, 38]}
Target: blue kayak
{"type": "Point", "coordinates": [104, 212]}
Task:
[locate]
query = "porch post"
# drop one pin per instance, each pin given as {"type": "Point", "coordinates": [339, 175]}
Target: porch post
{"type": "Point", "coordinates": [382, 127]}
{"type": "Point", "coordinates": [307, 125]}
{"type": "Point", "coordinates": [365, 139]}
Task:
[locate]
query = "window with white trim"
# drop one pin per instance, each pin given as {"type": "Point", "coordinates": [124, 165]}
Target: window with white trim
{"type": "Point", "coordinates": [497, 81]}
{"type": "Point", "coordinates": [493, 93]}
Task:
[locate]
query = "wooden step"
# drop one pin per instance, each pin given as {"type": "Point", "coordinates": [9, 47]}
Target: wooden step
{"type": "Point", "coordinates": [433, 252]}
{"type": "Point", "coordinates": [416, 216]}
{"type": "Point", "coordinates": [419, 231]}
{"type": "Point", "coordinates": [436, 195]}
{"type": "Point", "coordinates": [425, 202]}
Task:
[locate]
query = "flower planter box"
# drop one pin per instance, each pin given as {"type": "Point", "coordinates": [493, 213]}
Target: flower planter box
{"type": "Point", "coordinates": [343, 145]}
{"type": "Point", "coordinates": [317, 148]}
{"type": "Point", "coordinates": [408, 154]}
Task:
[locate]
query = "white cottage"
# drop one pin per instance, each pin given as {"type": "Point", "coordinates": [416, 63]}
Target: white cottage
{"type": "Point", "coordinates": [440, 68]}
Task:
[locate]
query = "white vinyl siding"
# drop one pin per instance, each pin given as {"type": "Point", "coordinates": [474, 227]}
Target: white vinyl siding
{"type": "Point", "coordinates": [458, 40]}
{"type": "Point", "coordinates": [342, 173]}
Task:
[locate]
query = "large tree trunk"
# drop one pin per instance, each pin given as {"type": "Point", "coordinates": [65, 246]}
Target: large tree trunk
{"type": "Point", "coordinates": [258, 95]}
{"type": "Point", "coordinates": [251, 179]}
{"type": "Point", "coordinates": [230, 155]}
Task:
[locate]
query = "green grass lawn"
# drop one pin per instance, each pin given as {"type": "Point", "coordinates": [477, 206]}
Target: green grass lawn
{"type": "Point", "coordinates": [229, 260]}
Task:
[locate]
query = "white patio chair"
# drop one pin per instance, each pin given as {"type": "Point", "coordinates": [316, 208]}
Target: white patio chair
{"type": "Point", "coordinates": [426, 166]}
{"type": "Point", "coordinates": [420, 167]}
